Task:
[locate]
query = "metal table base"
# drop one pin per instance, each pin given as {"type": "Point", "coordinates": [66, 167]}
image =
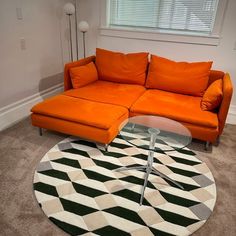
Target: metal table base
{"type": "Point", "coordinates": [149, 167]}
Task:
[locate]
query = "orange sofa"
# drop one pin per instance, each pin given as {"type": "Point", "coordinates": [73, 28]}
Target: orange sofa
{"type": "Point", "coordinates": [124, 86]}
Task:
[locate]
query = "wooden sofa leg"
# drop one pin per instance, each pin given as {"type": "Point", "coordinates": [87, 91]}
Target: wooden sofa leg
{"type": "Point", "coordinates": [40, 131]}
{"type": "Point", "coordinates": [207, 145]}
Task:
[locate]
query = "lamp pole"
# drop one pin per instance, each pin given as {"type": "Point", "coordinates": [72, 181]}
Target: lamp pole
{"type": "Point", "coordinates": [76, 31]}
{"type": "Point", "coordinates": [84, 42]}
{"type": "Point", "coordinates": [71, 50]}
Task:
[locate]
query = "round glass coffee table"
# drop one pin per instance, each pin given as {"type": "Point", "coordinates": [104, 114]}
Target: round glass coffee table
{"type": "Point", "coordinates": [155, 134]}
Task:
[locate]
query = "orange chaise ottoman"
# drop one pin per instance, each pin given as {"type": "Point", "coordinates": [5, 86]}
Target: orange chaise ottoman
{"type": "Point", "coordinates": [80, 117]}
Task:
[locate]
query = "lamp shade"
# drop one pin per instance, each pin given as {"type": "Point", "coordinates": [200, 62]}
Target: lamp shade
{"type": "Point", "coordinates": [69, 8]}
{"type": "Point", "coordinates": [83, 26]}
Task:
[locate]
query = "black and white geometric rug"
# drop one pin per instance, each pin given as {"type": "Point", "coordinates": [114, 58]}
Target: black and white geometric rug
{"type": "Point", "coordinates": [77, 189]}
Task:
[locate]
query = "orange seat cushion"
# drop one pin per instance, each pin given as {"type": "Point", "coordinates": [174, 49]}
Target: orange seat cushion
{"type": "Point", "coordinates": [121, 68]}
{"type": "Point", "coordinates": [108, 92]}
{"type": "Point", "coordinates": [81, 111]}
{"type": "Point", "coordinates": [178, 77]}
{"type": "Point", "coordinates": [84, 131]}
{"type": "Point", "coordinates": [182, 108]}
{"type": "Point", "coordinates": [213, 96]}
{"type": "Point", "coordinates": [83, 75]}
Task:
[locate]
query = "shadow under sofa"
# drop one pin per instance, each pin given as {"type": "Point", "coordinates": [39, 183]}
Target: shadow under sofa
{"type": "Point", "coordinates": [95, 111]}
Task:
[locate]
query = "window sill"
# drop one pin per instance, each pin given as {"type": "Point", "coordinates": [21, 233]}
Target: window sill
{"type": "Point", "coordinates": [153, 35]}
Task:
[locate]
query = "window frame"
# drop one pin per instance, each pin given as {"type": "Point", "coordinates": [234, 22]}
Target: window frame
{"type": "Point", "coordinates": [163, 35]}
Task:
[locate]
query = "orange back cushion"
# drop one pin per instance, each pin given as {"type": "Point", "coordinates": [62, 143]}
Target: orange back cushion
{"type": "Point", "coordinates": [213, 96]}
{"type": "Point", "coordinates": [83, 75]}
{"type": "Point", "coordinates": [178, 77]}
{"type": "Point", "coordinates": [122, 68]}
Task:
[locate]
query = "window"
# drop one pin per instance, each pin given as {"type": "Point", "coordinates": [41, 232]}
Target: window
{"type": "Point", "coordinates": [186, 16]}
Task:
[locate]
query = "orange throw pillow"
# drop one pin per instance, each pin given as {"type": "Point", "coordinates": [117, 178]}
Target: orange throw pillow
{"type": "Point", "coordinates": [83, 75]}
{"type": "Point", "coordinates": [122, 68]}
{"type": "Point", "coordinates": [178, 77]}
{"type": "Point", "coordinates": [213, 96]}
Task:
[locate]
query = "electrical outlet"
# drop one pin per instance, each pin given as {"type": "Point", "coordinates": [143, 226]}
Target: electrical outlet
{"type": "Point", "coordinates": [22, 44]}
{"type": "Point", "coordinates": [19, 15]}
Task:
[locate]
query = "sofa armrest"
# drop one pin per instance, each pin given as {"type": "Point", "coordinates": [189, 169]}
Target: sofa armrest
{"type": "Point", "coordinates": [67, 79]}
{"type": "Point", "coordinates": [224, 107]}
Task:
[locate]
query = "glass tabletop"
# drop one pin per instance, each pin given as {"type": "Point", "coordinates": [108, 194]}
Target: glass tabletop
{"type": "Point", "coordinates": [155, 133]}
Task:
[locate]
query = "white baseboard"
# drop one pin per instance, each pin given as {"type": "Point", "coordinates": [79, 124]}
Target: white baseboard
{"type": "Point", "coordinates": [231, 119]}
{"type": "Point", "coordinates": [17, 111]}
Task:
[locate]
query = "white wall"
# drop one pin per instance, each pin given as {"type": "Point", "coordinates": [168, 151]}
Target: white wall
{"type": "Point", "coordinates": [24, 73]}
{"type": "Point", "coordinates": [223, 55]}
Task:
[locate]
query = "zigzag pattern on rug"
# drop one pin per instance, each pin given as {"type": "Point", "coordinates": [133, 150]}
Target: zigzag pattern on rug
{"type": "Point", "coordinates": [78, 190]}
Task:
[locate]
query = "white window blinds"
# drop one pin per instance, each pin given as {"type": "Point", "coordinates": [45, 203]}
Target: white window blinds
{"type": "Point", "coordinates": [180, 15]}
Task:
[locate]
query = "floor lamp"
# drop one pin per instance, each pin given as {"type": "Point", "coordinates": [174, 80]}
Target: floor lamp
{"type": "Point", "coordinates": [69, 10]}
{"type": "Point", "coordinates": [83, 27]}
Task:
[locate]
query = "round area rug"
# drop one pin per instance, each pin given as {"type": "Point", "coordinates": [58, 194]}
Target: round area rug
{"type": "Point", "coordinates": [79, 191]}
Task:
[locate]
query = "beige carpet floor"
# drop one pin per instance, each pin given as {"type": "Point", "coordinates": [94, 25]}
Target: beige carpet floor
{"type": "Point", "coordinates": [21, 148]}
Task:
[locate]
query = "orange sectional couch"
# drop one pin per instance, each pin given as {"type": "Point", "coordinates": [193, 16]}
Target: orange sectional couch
{"type": "Point", "coordinates": [100, 92]}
